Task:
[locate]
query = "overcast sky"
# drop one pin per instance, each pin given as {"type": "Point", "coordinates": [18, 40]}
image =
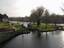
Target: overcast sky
{"type": "Point", "coordinates": [21, 8]}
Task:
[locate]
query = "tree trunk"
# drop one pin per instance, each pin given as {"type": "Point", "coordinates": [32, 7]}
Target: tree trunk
{"type": "Point", "coordinates": [38, 32]}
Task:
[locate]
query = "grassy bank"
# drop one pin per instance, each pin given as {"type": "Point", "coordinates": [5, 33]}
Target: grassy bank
{"type": "Point", "coordinates": [43, 27]}
{"type": "Point", "coordinates": [11, 26]}
{"type": "Point", "coordinates": [6, 35]}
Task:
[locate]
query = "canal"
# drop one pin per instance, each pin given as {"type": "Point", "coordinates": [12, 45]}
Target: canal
{"type": "Point", "coordinates": [53, 40]}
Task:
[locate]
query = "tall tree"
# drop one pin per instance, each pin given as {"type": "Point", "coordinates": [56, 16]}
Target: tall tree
{"type": "Point", "coordinates": [36, 14]}
{"type": "Point", "coordinates": [5, 16]}
{"type": "Point", "coordinates": [46, 14]}
{"type": "Point", "coordinates": [1, 16]}
{"type": "Point", "coordinates": [36, 17]}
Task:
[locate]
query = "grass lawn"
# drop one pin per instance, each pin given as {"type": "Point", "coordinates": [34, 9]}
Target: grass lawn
{"type": "Point", "coordinates": [15, 26]}
{"type": "Point", "coordinates": [43, 27]}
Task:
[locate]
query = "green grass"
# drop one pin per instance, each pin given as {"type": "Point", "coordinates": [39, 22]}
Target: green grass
{"type": "Point", "coordinates": [42, 26]}
{"type": "Point", "coordinates": [15, 26]}
{"type": "Point", "coordinates": [19, 28]}
{"type": "Point", "coordinates": [5, 25]}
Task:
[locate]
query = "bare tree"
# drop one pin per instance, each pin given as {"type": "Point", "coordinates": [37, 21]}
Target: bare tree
{"type": "Point", "coordinates": [46, 14]}
{"type": "Point", "coordinates": [36, 17]}
{"type": "Point", "coordinates": [36, 14]}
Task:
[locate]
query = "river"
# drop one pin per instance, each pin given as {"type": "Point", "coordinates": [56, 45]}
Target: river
{"type": "Point", "coordinates": [24, 23]}
{"type": "Point", "coordinates": [53, 40]}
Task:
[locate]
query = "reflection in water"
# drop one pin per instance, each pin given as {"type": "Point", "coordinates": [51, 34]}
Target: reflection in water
{"type": "Point", "coordinates": [62, 35]}
{"type": "Point", "coordinates": [32, 41]}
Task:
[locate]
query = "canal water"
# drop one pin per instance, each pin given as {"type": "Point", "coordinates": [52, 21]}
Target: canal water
{"type": "Point", "coordinates": [53, 40]}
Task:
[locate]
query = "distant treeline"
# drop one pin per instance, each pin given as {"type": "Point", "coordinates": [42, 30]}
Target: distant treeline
{"type": "Point", "coordinates": [39, 15]}
{"type": "Point", "coordinates": [49, 19]}
{"type": "Point", "coordinates": [23, 19]}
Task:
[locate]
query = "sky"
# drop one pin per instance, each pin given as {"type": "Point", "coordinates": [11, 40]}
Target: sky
{"type": "Point", "coordinates": [22, 8]}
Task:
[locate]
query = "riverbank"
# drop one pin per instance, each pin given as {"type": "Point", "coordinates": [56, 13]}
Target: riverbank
{"type": "Point", "coordinates": [10, 30]}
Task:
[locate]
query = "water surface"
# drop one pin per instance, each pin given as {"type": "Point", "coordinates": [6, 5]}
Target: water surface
{"type": "Point", "coordinates": [53, 40]}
